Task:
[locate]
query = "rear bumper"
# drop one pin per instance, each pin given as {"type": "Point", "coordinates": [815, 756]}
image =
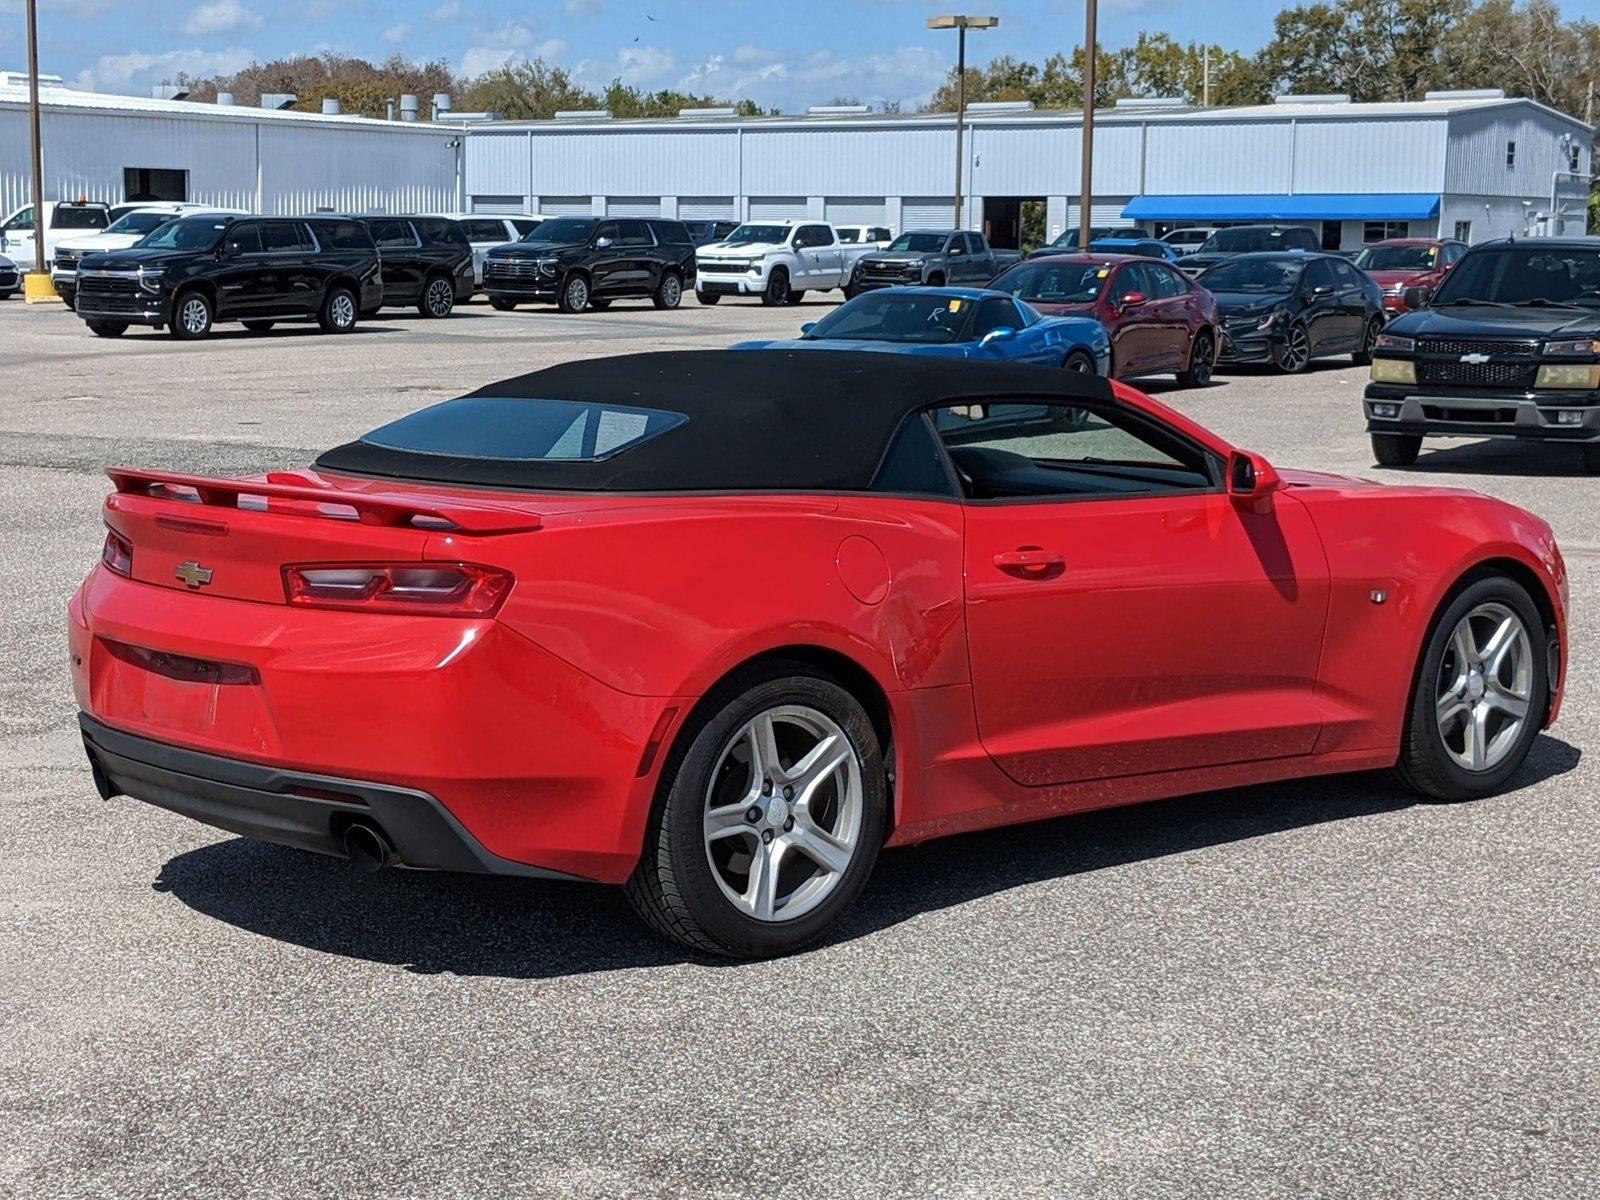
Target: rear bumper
{"type": "Point", "coordinates": [1440, 413]}
{"type": "Point", "coordinates": [290, 808]}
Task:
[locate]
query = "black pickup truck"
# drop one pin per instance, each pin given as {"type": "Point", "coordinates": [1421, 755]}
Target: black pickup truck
{"type": "Point", "coordinates": [1507, 347]}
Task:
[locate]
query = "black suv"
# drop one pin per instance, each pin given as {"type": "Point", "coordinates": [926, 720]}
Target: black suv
{"type": "Point", "coordinates": [1248, 239]}
{"type": "Point", "coordinates": [587, 262]}
{"type": "Point", "coordinates": [427, 261]}
{"type": "Point", "coordinates": [1507, 347]}
{"type": "Point", "coordinates": [195, 271]}
{"type": "Point", "coordinates": [706, 233]}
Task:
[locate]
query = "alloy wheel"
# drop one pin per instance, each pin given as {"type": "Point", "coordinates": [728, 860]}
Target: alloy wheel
{"type": "Point", "coordinates": [671, 291]}
{"type": "Point", "coordinates": [1296, 350]}
{"type": "Point", "coordinates": [441, 297]}
{"type": "Point", "coordinates": [783, 812]}
{"type": "Point", "coordinates": [343, 311]}
{"type": "Point", "coordinates": [1484, 686]}
{"type": "Point", "coordinates": [195, 315]}
{"type": "Point", "coordinates": [1200, 364]}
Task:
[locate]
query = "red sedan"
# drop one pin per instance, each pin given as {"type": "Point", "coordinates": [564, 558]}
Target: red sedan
{"type": "Point", "coordinates": [720, 626]}
{"type": "Point", "coordinates": [1160, 321]}
{"type": "Point", "coordinates": [1401, 263]}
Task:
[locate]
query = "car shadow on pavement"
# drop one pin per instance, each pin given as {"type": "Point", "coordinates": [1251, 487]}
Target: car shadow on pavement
{"type": "Point", "coordinates": [476, 925]}
{"type": "Point", "coordinates": [1495, 456]}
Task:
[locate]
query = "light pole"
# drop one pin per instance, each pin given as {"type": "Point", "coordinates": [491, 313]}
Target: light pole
{"type": "Point", "coordinates": [961, 24]}
{"type": "Point", "coordinates": [36, 285]}
{"type": "Point", "coordinates": [1086, 186]}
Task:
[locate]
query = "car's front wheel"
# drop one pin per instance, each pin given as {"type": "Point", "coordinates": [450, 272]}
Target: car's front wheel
{"type": "Point", "coordinates": [574, 297]}
{"type": "Point", "coordinates": [770, 819]}
{"type": "Point", "coordinates": [708, 297]}
{"type": "Point", "coordinates": [1396, 449]}
{"type": "Point", "coordinates": [501, 304]}
{"type": "Point", "coordinates": [1480, 695]}
{"type": "Point", "coordinates": [108, 328]}
{"type": "Point", "coordinates": [777, 292]}
{"type": "Point", "coordinates": [191, 316]}
{"type": "Point", "coordinates": [258, 326]}
{"type": "Point", "coordinates": [1294, 355]}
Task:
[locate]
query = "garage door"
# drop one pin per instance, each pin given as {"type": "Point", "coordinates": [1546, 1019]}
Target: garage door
{"type": "Point", "coordinates": [566, 206]}
{"type": "Point", "coordinates": [633, 206]}
{"type": "Point", "coordinates": [778, 208]}
{"type": "Point", "coordinates": [927, 212]}
{"type": "Point", "coordinates": [1101, 212]}
{"type": "Point", "coordinates": [504, 205]}
{"type": "Point", "coordinates": [854, 210]}
{"type": "Point", "coordinates": [707, 208]}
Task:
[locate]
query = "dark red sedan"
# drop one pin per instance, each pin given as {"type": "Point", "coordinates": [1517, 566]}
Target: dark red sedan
{"type": "Point", "coordinates": [1400, 263]}
{"type": "Point", "coordinates": [1159, 320]}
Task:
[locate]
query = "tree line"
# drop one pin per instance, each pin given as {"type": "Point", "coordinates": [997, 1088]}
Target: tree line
{"type": "Point", "coordinates": [1370, 49]}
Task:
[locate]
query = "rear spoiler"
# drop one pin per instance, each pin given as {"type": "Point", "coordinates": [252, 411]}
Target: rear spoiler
{"type": "Point", "coordinates": [309, 501]}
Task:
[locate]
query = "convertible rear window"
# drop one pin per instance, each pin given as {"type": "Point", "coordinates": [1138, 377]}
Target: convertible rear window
{"type": "Point", "coordinates": [513, 429]}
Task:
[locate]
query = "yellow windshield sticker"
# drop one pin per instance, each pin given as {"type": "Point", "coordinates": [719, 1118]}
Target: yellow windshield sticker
{"type": "Point", "coordinates": [955, 306]}
{"type": "Point", "coordinates": [1102, 272]}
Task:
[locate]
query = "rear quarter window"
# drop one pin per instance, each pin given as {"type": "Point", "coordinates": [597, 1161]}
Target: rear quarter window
{"type": "Point", "coordinates": [343, 235]}
{"type": "Point", "coordinates": [672, 233]}
{"type": "Point", "coordinates": [513, 429]}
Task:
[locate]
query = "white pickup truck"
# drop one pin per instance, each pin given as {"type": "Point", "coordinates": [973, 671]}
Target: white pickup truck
{"type": "Point", "coordinates": [61, 220]}
{"type": "Point", "coordinates": [780, 261]}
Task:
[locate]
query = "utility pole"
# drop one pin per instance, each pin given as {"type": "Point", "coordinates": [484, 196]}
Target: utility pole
{"type": "Point", "coordinates": [1205, 80]}
{"type": "Point", "coordinates": [961, 23]}
{"type": "Point", "coordinates": [1588, 105]}
{"type": "Point", "coordinates": [1086, 187]}
{"type": "Point", "coordinates": [36, 286]}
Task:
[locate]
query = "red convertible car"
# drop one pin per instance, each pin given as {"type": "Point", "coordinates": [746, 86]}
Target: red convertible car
{"type": "Point", "coordinates": [719, 626]}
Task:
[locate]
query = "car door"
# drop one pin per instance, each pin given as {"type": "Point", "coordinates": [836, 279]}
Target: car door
{"type": "Point", "coordinates": [818, 256]}
{"type": "Point", "coordinates": [397, 246]}
{"type": "Point", "coordinates": [1136, 342]}
{"type": "Point", "coordinates": [1124, 614]}
{"type": "Point", "coordinates": [643, 266]}
{"type": "Point", "coordinates": [1352, 297]}
{"type": "Point", "coordinates": [956, 259]}
{"type": "Point", "coordinates": [1171, 303]}
{"type": "Point", "coordinates": [1323, 318]}
{"type": "Point", "coordinates": [980, 260]}
{"type": "Point", "coordinates": [246, 279]}
{"type": "Point", "coordinates": [608, 259]}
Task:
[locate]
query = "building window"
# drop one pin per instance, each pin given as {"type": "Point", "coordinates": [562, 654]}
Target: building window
{"type": "Point", "coordinates": [1377, 231]}
{"type": "Point", "coordinates": [1332, 235]}
{"type": "Point", "coordinates": [1574, 157]}
{"type": "Point", "coordinates": [1464, 231]}
{"type": "Point", "coordinates": [154, 183]}
{"type": "Point", "coordinates": [1511, 154]}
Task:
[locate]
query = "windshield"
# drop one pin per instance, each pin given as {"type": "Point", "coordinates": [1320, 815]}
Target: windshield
{"type": "Point", "coordinates": [919, 243]}
{"type": "Point", "coordinates": [189, 233]}
{"type": "Point", "coordinates": [565, 230]}
{"type": "Point", "coordinates": [1054, 283]}
{"type": "Point", "coordinates": [846, 234]}
{"type": "Point", "coordinates": [747, 234]}
{"type": "Point", "coordinates": [1528, 275]}
{"type": "Point", "coordinates": [1398, 258]}
{"type": "Point", "coordinates": [1263, 275]}
{"type": "Point", "coordinates": [78, 217]}
{"type": "Point", "coordinates": [876, 317]}
{"type": "Point", "coordinates": [140, 222]}
{"type": "Point", "coordinates": [1243, 241]}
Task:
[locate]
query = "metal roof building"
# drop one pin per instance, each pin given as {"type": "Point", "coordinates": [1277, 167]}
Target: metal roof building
{"type": "Point", "coordinates": [1470, 164]}
{"type": "Point", "coordinates": [270, 160]}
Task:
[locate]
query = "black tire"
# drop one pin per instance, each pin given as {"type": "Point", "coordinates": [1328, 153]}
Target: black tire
{"type": "Point", "coordinates": [340, 310]}
{"type": "Point", "coordinates": [438, 297]}
{"type": "Point", "coordinates": [669, 291]}
{"type": "Point", "coordinates": [108, 328]}
{"type": "Point", "coordinates": [851, 291]}
{"type": "Point", "coordinates": [599, 305]}
{"type": "Point", "coordinates": [1294, 355]}
{"type": "Point", "coordinates": [777, 292]}
{"type": "Point", "coordinates": [796, 297]}
{"type": "Point", "coordinates": [936, 280]}
{"type": "Point", "coordinates": [1591, 459]}
{"type": "Point", "coordinates": [675, 887]}
{"type": "Point", "coordinates": [1426, 766]}
{"type": "Point", "coordinates": [1201, 356]}
{"type": "Point", "coordinates": [708, 297]}
{"type": "Point", "coordinates": [191, 315]}
{"type": "Point", "coordinates": [501, 304]}
{"type": "Point", "coordinates": [574, 296]}
{"type": "Point", "coordinates": [1396, 449]}
{"type": "Point", "coordinates": [258, 326]}
{"type": "Point", "coordinates": [1080, 362]}
{"type": "Point", "coordinates": [1363, 356]}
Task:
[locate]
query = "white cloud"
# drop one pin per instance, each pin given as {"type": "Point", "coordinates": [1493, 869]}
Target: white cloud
{"type": "Point", "coordinates": [753, 54]}
{"type": "Point", "coordinates": [581, 8]}
{"type": "Point", "coordinates": [137, 70]}
{"type": "Point", "coordinates": [446, 12]}
{"type": "Point", "coordinates": [634, 65]}
{"type": "Point", "coordinates": [907, 75]}
{"type": "Point", "coordinates": [396, 33]}
{"type": "Point", "coordinates": [221, 17]}
{"type": "Point", "coordinates": [512, 42]}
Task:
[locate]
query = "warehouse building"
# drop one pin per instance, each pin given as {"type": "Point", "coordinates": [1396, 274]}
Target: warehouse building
{"type": "Point", "coordinates": [264, 159]}
{"type": "Point", "coordinates": [1466, 164]}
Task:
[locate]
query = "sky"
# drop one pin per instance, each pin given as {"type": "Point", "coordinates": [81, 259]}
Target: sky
{"type": "Point", "coordinates": [783, 53]}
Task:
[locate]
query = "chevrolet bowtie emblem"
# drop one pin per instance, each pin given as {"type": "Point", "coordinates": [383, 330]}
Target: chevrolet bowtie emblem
{"type": "Point", "coordinates": [1475, 359]}
{"type": "Point", "coordinates": [193, 574]}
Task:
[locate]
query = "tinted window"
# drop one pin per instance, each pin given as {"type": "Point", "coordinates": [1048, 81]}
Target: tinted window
{"type": "Point", "coordinates": [956, 244]}
{"type": "Point", "coordinates": [79, 218]}
{"type": "Point", "coordinates": [1263, 275]}
{"type": "Point", "coordinates": [343, 235]}
{"type": "Point", "coordinates": [633, 233]}
{"type": "Point", "coordinates": [1319, 274]}
{"type": "Point", "coordinates": [1134, 278]}
{"type": "Point", "coordinates": [1523, 274]}
{"type": "Point", "coordinates": [140, 222]}
{"type": "Point", "coordinates": [279, 237]}
{"type": "Point", "coordinates": [1002, 451]}
{"type": "Point", "coordinates": [484, 230]}
{"type": "Point", "coordinates": [671, 233]}
{"type": "Point", "coordinates": [878, 234]}
{"type": "Point", "coordinates": [565, 231]}
{"type": "Point", "coordinates": [1246, 239]}
{"type": "Point", "coordinates": [517, 430]}
{"type": "Point", "coordinates": [607, 229]}
{"type": "Point", "coordinates": [1168, 282]}
{"type": "Point", "coordinates": [979, 246]}
{"type": "Point", "coordinates": [190, 233]}
{"type": "Point", "coordinates": [914, 464]}
{"type": "Point", "coordinates": [1347, 275]}
{"type": "Point", "coordinates": [1054, 283]}
{"type": "Point", "coordinates": [849, 235]}
{"type": "Point", "coordinates": [439, 232]}
{"type": "Point", "coordinates": [886, 317]}
{"type": "Point", "coordinates": [523, 228]}
{"type": "Point", "coordinates": [747, 234]}
{"type": "Point", "coordinates": [814, 235]}
{"type": "Point", "coordinates": [995, 314]}
{"type": "Point", "coordinates": [243, 238]}
{"type": "Point", "coordinates": [1397, 258]}
{"type": "Point", "coordinates": [392, 235]}
{"type": "Point", "coordinates": [919, 243]}
{"type": "Point", "coordinates": [22, 221]}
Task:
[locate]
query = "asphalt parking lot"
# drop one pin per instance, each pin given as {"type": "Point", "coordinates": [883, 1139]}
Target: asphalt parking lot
{"type": "Point", "coordinates": [1315, 989]}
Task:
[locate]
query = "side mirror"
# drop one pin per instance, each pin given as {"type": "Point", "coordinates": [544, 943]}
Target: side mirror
{"type": "Point", "coordinates": [807, 327]}
{"type": "Point", "coordinates": [996, 335]}
{"type": "Point", "coordinates": [231, 250]}
{"type": "Point", "coordinates": [600, 243]}
{"type": "Point", "coordinates": [1322, 289]}
{"type": "Point", "coordinates": [1252, 481]}
{"type": "Point", "coordinates": [1133, 300]}
{"type": "Point", "coordinates": [1416, 297]}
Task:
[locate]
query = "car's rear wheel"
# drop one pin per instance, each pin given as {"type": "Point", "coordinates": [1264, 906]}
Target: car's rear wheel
{"type": "Point", "coordinates": [339, 310]}
{"type": "Point", "coordinates": [574, 296]}
{"type": "Point", "coordinates": [669, 292]}
{"type": "Point", "coordinates": [1201, 354]}
{"type": "Point", "coordinates": [191, 316]}
{"type": "Point", "coordinates": [501, 304]}
{"type": "Point", "coordinates": [771, 817]}
{"type": "Point", "coordinates": [777, 288]}
{"type": "Point", "coordinates": [1480, 696]}
{"type": "Point", "coordinates": [438, 297]}
{"type": "Point", "coordinates": [258, 326]}
{"type": "Point", "coordinates": [108, 328]}
{"type": "Point", "coordinates": [1294, 355]}
{"type": "Point", "coordinates": [1369, 338]}
{"type": "Point", "coordinates": [1396, 449]}
{"type": "Point", "coordinates": [708, 297]}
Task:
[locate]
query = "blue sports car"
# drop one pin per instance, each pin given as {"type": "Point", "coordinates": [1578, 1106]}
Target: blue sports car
{"type": "Point", "coordinates": [956, 322]}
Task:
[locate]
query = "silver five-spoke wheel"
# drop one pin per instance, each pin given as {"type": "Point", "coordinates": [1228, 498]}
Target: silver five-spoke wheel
{"type": "Point", "coordinates": [783, 812]}
{"type": "Point", "coordinates": [1485, 686]}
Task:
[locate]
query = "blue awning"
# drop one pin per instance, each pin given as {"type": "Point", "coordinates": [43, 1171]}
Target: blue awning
{"type": "Point", "coordinates": [1311, 206]}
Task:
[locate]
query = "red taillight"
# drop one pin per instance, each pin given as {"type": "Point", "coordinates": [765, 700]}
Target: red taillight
{"type": "Point", "coordinates": [431, 589]}
{"type": "Point", "coordinates": [117, 554]}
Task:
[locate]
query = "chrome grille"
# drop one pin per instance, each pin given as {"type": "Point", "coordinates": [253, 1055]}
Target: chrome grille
{"type": "Point", "coordinates": [1493, 374]}
{"type": "Point", "coordinates": [1498, 346]}
{"type": "Point", "coordinates": [510, 268]}
{"type": "Point", "coordinates": [68, 259]}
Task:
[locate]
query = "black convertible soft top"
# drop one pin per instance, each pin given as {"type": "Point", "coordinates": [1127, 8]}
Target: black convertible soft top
{"type": "Point", "coordinates": [753, 420]}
